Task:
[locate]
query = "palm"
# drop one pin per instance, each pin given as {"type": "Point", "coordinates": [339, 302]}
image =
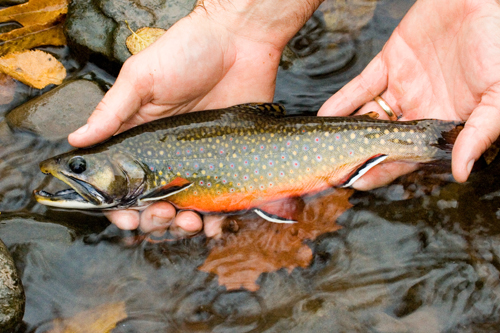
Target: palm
{"type": "Point", "coordinates": [442, 61]}
{"type": "Point", "coordinates": [442, 69]}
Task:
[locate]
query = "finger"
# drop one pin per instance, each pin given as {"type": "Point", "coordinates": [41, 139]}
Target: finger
{"type": "Point", "coordinates": [480, 131]}
{"type": "Point", "coordinates": [186, 223]}
{"type": "Point", "coordinates": [124, 219]}
{"type": "Point", "coordinates": [362, 89]}
{"type": "Point", "coordinates": [119, 104]}
{"type": "Point", "coordinates": [213, 225]}
{"type": "Point", "coordinates": [157, 217]}
{"type": "Point", "coordinates": [383, 174]}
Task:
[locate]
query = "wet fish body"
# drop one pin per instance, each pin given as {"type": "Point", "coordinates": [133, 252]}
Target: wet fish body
{"type": "Point", "coordinates": [237, 159]}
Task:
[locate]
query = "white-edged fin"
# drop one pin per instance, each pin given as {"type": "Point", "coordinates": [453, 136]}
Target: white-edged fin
{"type": "Point", "coordinates": [68, 204]}
{"type": "Point", "coordinates": [272, 218]}
{"type": "Point", "coordinates": [166, 195]}
{"type": "Point", "coordinates": [364, 169]}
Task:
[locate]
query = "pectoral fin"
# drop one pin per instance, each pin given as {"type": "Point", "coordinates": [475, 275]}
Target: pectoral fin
{"type": "Point", "coordinates": [175, 186]}
{"type": "Point", "coordinates": [362, 169]}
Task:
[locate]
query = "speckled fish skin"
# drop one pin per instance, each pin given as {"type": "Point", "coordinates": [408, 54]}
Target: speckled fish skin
{"type": "Point", "coordinates": [239, 158]}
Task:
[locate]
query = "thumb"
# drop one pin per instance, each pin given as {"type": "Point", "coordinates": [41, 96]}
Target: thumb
{"type": "Point", "coordinates": [363, 88]}
{"type": "Point", "coordinates": [480, 131]}
{"type": "Point", "coordinates": [118, 105]}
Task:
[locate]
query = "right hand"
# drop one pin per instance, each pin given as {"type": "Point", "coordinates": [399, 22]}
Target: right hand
{"type": "Point", "coordinates": [220, 55]}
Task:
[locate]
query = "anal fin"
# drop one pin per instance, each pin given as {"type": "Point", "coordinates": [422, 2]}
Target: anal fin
{"type": "Point", "coordinates": [363, 168]}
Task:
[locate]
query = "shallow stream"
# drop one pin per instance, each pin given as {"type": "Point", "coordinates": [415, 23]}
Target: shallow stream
{"type": "Point", "coordinates": [420, 255]}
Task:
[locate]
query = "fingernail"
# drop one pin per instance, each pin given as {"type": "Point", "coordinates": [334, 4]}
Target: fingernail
{"type": "Point", "coordinates": [470, 164]}
{"type": "Point", "coordinates": [82, 129]}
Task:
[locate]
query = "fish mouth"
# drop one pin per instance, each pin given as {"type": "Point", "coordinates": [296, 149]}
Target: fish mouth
{"type": "Point", "coordinates": [81, 195]}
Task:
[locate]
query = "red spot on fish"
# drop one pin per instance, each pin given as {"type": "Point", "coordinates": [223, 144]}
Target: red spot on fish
{"type": "Point", "coordinates": [221, 152]}
{"type": "Point", "coordinates": [201, 149]}
{"type": "Point", "coordinates": [201, 182]}
{"type": "Point", "coordinates": [152, 168]}
{"type": "Point", "coordinates": [317, 139]}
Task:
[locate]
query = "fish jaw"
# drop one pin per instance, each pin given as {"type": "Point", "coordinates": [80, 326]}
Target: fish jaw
{"type": "Point", "coordinates": [81, 194]}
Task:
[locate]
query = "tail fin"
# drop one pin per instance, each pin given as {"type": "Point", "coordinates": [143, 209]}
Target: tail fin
{"type": "Point", "coordinates": [449, 133]}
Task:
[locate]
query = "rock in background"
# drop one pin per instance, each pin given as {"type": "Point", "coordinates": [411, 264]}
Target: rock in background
{"type": "Point", "coordinates": [58, 112]}
{"type": "Point", "coordinates": [12, 297]}
{"type": "Point", "coordinates": [99, 26]}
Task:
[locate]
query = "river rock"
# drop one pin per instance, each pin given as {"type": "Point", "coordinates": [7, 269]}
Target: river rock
{"type": "Point", "coordinates": [12, 297]}
{"type": "Point", "coordinates": [58, 112]}
{"type": "Point", "coordinates": [348, 16]}
{"type": "Point", "coordinates": [99, 26]}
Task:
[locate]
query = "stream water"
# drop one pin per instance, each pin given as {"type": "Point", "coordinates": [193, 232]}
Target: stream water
{"type": "Point", "coordinates": [420, 255]}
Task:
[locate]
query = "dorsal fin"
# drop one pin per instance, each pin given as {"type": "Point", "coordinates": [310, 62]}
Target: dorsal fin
{"type": "Point", "coordinates": [271, 109]}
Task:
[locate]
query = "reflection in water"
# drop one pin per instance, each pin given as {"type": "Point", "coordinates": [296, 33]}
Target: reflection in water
{"type": "Point", "coordinates": [421, 255]}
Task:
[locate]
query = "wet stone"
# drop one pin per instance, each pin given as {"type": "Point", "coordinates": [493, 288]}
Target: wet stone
{"type": "Point", "coordinates": [99, 26]}
{"type": "Point", "coordinates": [12, 297]}
{"type": "Point", "coordinates": [59, 112]}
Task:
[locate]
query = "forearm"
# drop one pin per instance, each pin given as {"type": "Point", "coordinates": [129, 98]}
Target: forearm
{"type": "Point", "coordinates": [265, 21]}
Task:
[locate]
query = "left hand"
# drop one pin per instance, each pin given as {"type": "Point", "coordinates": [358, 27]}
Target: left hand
{"type": "Point", "coordinates": [442, 61]}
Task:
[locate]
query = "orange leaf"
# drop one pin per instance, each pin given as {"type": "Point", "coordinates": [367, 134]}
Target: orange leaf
{"type": "Point", "coordinates": [101, 319]}
{"type": "Point", "coordinates": [142, 38]}
{"type": "Point", "coordinates": [34, 68]}
{"type": "Point", "coordinates": [35, 12]}
{"type": "Point", "coordinates": [259, 246]}
{"type": "Point", "coordinates": [32, 36]}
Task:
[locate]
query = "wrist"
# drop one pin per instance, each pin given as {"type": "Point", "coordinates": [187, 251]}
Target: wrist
{"type": "Point", "coordinates": [262, 21]}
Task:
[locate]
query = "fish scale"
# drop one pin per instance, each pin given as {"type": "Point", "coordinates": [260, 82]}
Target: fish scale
{"type": "Point", "coordinates": [241, 157]}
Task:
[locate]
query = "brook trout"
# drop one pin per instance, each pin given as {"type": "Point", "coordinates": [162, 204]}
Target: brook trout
{"type": "Point", "coordinates": [238, 159]}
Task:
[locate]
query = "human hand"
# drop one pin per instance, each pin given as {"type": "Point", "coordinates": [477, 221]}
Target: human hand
{"type": "Point", "coordinates": [442, 61]}
{"type": "Point", "coordinates": [222, 54]}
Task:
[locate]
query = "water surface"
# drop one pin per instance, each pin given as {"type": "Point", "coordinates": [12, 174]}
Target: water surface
{"type": "Point", "coordinates": [420, 255]}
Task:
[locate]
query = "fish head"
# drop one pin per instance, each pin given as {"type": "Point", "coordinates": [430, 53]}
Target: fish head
{"type": "Point", "coordinates": [97, 180]}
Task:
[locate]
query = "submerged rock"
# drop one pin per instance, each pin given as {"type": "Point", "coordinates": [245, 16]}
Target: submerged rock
{"type": "Point", "coordinates": [59, 112]}
{"type": "Point", "coordinates": [99, 26]}
{"type": "Point", "coordinates": [12, 297]}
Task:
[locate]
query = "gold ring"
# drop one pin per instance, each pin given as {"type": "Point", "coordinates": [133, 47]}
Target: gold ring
{"type": "Point", "coordinates": [383, 104]}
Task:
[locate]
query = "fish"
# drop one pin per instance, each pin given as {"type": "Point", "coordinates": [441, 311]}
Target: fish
{"type": "Point", "coordinates": [238, 159]}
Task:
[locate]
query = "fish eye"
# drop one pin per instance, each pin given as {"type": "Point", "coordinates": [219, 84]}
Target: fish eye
{"type": "Point", "coordinates": [77, 164]}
